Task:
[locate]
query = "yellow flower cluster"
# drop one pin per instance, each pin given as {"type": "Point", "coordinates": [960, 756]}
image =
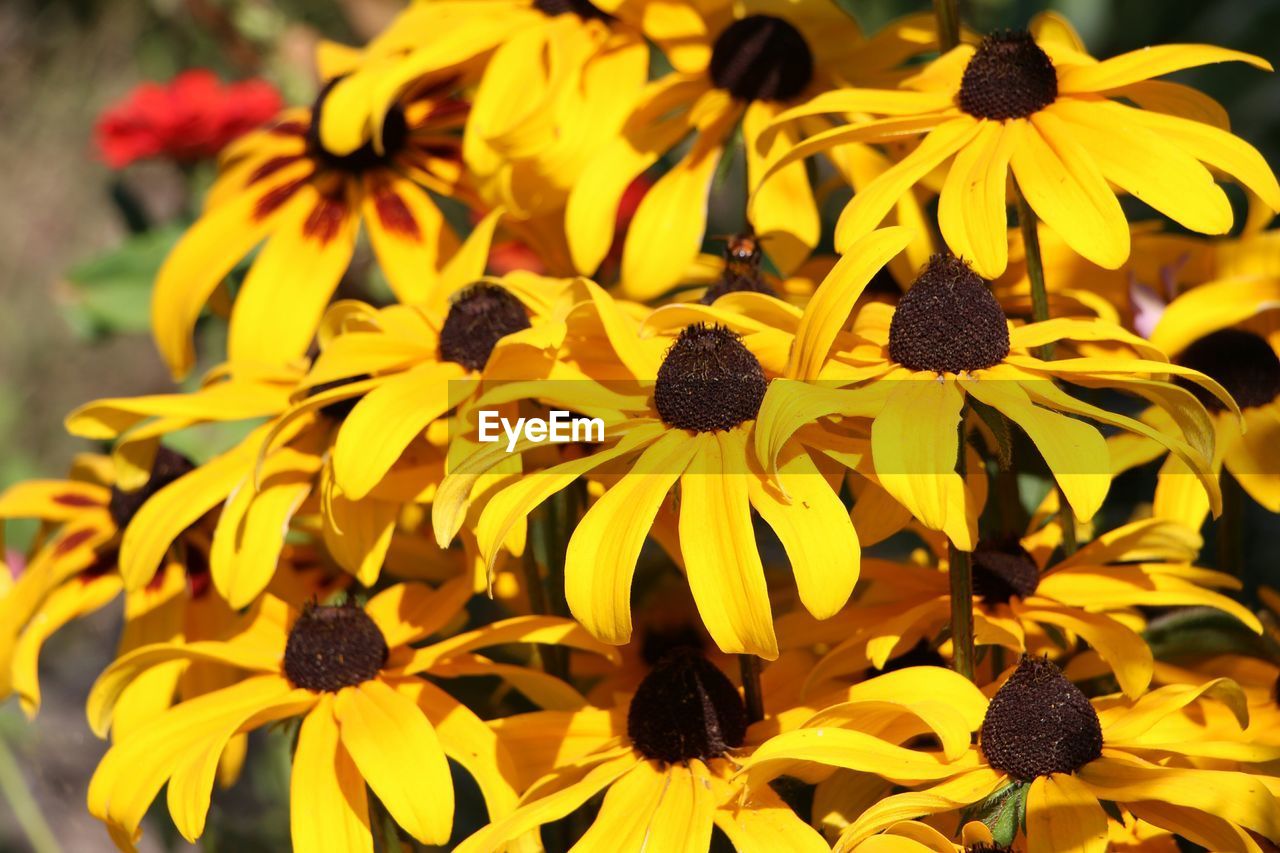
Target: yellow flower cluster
{"type": "Point", "coordinates": [669, 550]}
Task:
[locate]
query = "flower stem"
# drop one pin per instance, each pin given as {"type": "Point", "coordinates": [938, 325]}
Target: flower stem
{"type": "Point", "coordinates": [552, 657]}
{"type": "Point", "coordinates": [960, 571]}
{"type": "Point", "coordinates": [752, 692]}
{"type": "Point", "coordinates": [1231, 531]}
{"type": "Point", "coordinates": [948, 24]}
{"type": "Point", "coordinates": [1039, 314]}
{"type": "Point", "coordinates": [18, 795]}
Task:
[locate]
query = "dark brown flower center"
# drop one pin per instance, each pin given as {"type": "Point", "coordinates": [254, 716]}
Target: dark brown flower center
{"type": "Point", "coordinates": [1039, 723]}
{"type": "Point", "coordinates": [1243, 363]}
{"type": "Point", "coordinates": [948, 322]}
{"type": "Point", "coordinates": [684, 709]}
{"type": "Point", "coordinates": [332, 647]}
{"type": "Point", "coordinates": [395, 134]}
{"type": "Point", "coordinates": [761, 58]}
{"type": "Point", "coordinates": [742, 259]}
{"type": "Point", "coordinates": [708, 381]}
{"type": "Point", "coordinates": [480, 317]}
{"type": "Point", "coordinates": [582, 8]}
{"type": "Point", "coordinates": [1009, 76]}
{"type": "Point", "coordinates": [167, 467]}
{"type": "Point", "coordinates": [1002, 570]}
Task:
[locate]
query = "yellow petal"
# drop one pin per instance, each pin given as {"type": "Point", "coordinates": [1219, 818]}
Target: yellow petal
{"type": "Point", "coordinates": [1147, 165]}
{"type": "Point", "coordinates": [1148, 62]}
{"type": "Point", "coordinates": [1066, 189]}
{"type": "Point", "coordinates": [827, 313]}
{"type": "Point", "coordinates": [873, 202]}
{"type": "Point", "coordinates": [719, 547]}
{"type": "Point", "coordinates": [408, 234]}
{"type": "Point", "coordinates": [973, 207]}
{"type": "Point", "coordinates": [328, 805]}
{"type": "Point", "coordinates": [811, 522]}
{"type": "Point", "coordinates": [1062, 814]}
{"type": "Point", "coordinates": [602, 553]}
{"type": "Point", "coordinates": [914, 444]}
{"type": "Point", "coordinates": [1124, 651]}
{"type": "Point", "coordinates": [379, 727]}
{"type": "Point", "coordinates": [783, 213]}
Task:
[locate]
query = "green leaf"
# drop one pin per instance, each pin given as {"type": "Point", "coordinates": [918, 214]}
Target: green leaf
{"type": "Point", "coordinates": [111, 294]}
{"type": "Point", "coordinates": [1003, 811]}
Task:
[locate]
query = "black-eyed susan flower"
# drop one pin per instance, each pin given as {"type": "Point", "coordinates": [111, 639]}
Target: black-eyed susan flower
{"type": "Point", "coordinates": [1037, 105]}
{"type": "Point", "coordinates": [1092, 594]}
{"type": "Point", "coordinates": [736, 65]}
{"type": "Point", "coordinates": [73, 572]}
{"type": "Point", "coordinates": [1073, 755]}
{"type": "Point", "coordinates": [1229, 330]}
{"type": "Point", "coordinates": [666, 759]}
{"type": "Point", "coordinates": [911, 370]}
{"type": "Point", "coordinates": [367, 717]}
{"type": "Point", "coordinates": [679, 409]}
{"type": "Point", "coordinates": [280, 187]}
{"type": "Point", "coordinates": [556, 79]}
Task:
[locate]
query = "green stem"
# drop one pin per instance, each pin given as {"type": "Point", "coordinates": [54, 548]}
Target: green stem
{"type": "Point", "coordinates": [1039, 314]}
{"type": "Point", "coordinates": [13, 785]}
{"type": "Point", "coordinates": [752, 692]}
{"type": "Point", "coordinates": [1231, 532]}
{"type": "Point", "coordinates": [552, 657]}
{"type": "Point", "coordinates": [948, 24]}
{"type": "Point", "coordinates": [960, 571]}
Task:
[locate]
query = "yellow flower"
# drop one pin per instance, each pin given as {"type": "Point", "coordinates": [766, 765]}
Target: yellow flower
{"type": "Point", "coordinates": [912, 369]}
{"type": "Point", "coordinates": [1037, 104]}
{"type": "Point", "coordinates": [1072, 755]}
{"type": "Point", "coordinates": [556, 78]}
{"type": "Point", "coordinates": [1228, 330]}
{"type": "Point", "coordinates": [1092, 594]}
{"type": "Point", "coordinates": [666, 759]}
{"type": "Point", "coordinates": [281, 187]}
{"type": "Point", "coordinates": [679, 412]}
{"type": "Point", "coordinates": [353, 675]}
{"type": "Point", "coordinates": [73, 572]}
{"type": "Point", "coordinates": [735, 65]}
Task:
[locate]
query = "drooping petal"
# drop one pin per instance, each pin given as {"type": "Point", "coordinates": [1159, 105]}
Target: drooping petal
{"type": "Point", "coordinates": [973, 207]}
{"type": "Point", "coordinates": [1125, 652]}
{"type": "Point", "coordinates": [602, 553]}
{"type": "Point", "coordinates": [1146, 63]}
{"type": "Point", "coordinates": [328, 803]}
{"type": "Point", "coordinates": [380, 727]}
{"type": "Point", "coordinates": [1062, 814]}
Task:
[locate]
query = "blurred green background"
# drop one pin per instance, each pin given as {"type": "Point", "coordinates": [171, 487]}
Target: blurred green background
{"type": "Point", "coordinates": [62, 343]}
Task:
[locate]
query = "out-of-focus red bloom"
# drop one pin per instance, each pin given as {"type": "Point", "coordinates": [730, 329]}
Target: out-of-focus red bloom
{"type": "Point", "coordinates": [190, 118]}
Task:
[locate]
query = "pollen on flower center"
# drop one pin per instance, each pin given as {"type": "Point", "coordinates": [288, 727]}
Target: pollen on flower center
{"type": "Point", "coordinates": [741, 270]}
{"type": "Point", "coordinates": [948, 322]}
{"type": "Point", "coordinates": [582, 8]}
{"type": "Point", "coordinates": [1009, 76]}
{"type": "Point", "coordinates": [480, 317]}
{"type": "Point", "coordinates": [1002, 569]}
{"type": "Point", "coordinates": [395, 133]}
{"type": "Point", "coordinates": [332, 647]}
{"type": "Point", "coordinates": [167, 467]}
{"type": "Point", "coordinates": [1243, 363]}
{"type": "Point", "coordinates": [1039, 723]}
{"type": "Point", "coordinates": [761, 58]}
{"type": "Point", "coordinates": [686, 708]}
{"type": "Point", "coordinates": [708, 381]}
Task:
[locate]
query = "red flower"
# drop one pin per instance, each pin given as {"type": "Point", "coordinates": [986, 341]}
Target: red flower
{"type": "Point", "coordinates": [191, 118]}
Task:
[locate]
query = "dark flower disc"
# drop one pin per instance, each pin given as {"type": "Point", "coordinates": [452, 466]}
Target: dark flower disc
{"type": "Point", "coordinates": [1243, 363]}
{"type": "Point", "coordinates": [478, 318]}
{"type": "Point", "coordinates": [1009, 76]}
{"type": "Point", "coordinates": [395, 135]}
{"type": "Point", "coordinates": [1002, 570]}
{"type": "Point", "coordinates": [1039, 723]}
{"type": "Point", "coordinates": [686, 708]}
{"type": "Point", "coordinates": [708, 381]}
{"type": "Point", "coordinates": [948, 322]}
{"type": "Point", "coordinates": [167, 467]}
{"type": "Point", "coordinates": [761, 58]}
{"type": "Point", "coordinates": [332, 647]}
